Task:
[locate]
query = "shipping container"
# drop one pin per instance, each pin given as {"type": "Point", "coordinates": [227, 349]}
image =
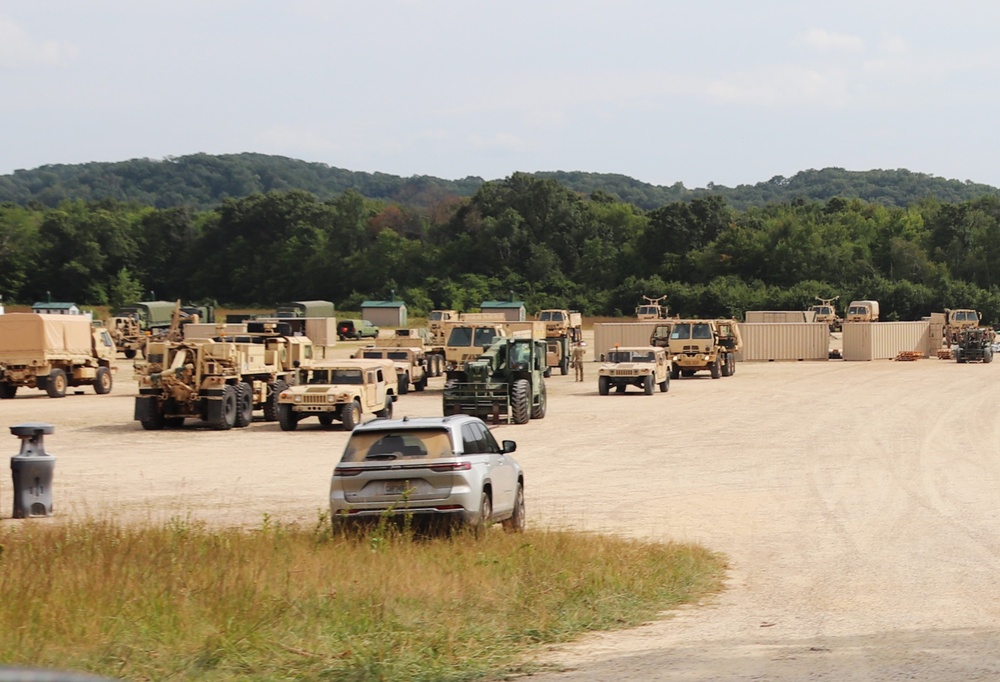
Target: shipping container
{"type": "Point", "coordinates": [765, 342]}
{"type": "Point", "coordinates": [607, 334]}
{"type": "Point", "coordinates": [886, 340]}
{"type": "Point", "coordinates": [789, 316]}
{"type": "Point", "coordinates": [205, 330]}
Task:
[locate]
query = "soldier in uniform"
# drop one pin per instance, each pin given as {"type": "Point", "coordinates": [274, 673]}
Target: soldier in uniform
{"type": "Point", "coordinates": [579, 349]}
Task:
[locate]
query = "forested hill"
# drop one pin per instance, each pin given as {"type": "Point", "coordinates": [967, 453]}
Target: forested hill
{"type": "Point", "coordinates": [202, 181]}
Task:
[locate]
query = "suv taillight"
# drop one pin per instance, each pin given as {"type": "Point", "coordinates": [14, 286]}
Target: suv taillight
{"type": "Point", "coordinates": [454, 466]}
{"type": "Point", "coordinates": [346, 471]}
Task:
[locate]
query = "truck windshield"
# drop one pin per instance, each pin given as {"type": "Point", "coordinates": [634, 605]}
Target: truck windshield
{"type": "Point", "coordinates": [701, 331]}
{"type": "Point", "coordinates": [681, 331]}
{"type": "Point", "coordinates": [346, 376]}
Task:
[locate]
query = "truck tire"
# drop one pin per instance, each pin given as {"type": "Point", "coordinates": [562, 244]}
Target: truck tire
{"type": "Point", "coordinates": [271, 402]}
{"type": "Point", "coordinates": [350, 415]}
{"type": "Point", "coordinates": [716, 368]}
{"type": "Point", "coordinates": [325, 418]}
{"type": "Point", "coordinates": [244, 405]}
{"type": "Point", "coordinates": [226, 417]}
{"type": "Point", "coordinates": [564, 366]}
{"type": "Point", "coordinates": [520, 401]}
{"type": "Point", "coordinates": [675, 371]}
{"type": "Point", "coordinates": [602, 385]}
{"type": "Point", "coordinates": [958, 356]}
{"type": "Point", "coordinates": [7, 391]}
{"type": "Point", "coordinates": [987, 355]}
{"type": "Point", "coordinates": [151, 416]}
{"type": "Point", "coordinates": [56, 385]}
{"type": "Point", "coordinates": [129, 353]}
{"type": "Point", "coordinates": [538, 411]}
{"type": "Point", "coordinates": [103, 381]}
{"type": "Point", "coordinates": [403, 386]}
{"type": "Point", "coordinates": [665, 385]}
{"type": "Point", "coordinates": [386, 412]}
{"type": "Point", "coordinates": [287, 419]}
{"type": "Point", "coordinates": [420, 385]}
{"type": "Point", "coordinates": [647, 385]}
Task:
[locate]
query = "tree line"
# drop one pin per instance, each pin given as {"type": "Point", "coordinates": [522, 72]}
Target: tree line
{"type": "Point", "coordinates": [531, 238]}
{"type": "Point", "coordinates": [202, 181]}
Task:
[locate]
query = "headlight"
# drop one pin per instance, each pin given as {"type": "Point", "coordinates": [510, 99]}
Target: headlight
{"type": "Point", "coordinates": [298, 399]}
{"type": "Point", "coordinates": [331, 399]}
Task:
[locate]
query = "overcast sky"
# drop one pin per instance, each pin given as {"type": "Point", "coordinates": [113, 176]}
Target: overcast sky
{"type": "Point", "coordinates": [728, 92]}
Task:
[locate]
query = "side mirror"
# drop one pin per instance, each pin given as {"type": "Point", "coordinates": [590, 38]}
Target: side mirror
{"type": "Point", "coordinates": [509, 446]}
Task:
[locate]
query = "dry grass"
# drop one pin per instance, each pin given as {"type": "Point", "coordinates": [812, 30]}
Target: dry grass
{"type": "Point", "coordinates": [184, 601]}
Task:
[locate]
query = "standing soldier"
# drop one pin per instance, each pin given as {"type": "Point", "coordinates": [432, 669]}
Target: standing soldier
{"type": "Point", "coordinates": [579, 348]}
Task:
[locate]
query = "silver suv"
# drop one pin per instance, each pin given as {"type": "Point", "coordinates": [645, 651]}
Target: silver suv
{"type": "Point", "coordinates": [434, 468]}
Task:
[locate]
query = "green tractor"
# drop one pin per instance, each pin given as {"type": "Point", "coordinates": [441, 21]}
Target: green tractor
{"type": "Point", "coordinates": [507, 381]}
{"type": "Point", "coordinates": [975, 344]}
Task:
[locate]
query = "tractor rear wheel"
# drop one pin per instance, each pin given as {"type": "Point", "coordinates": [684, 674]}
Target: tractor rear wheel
{"type": "Point", "coordinates": [520, 401]}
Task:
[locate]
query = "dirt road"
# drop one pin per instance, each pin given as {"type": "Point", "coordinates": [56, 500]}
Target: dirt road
{"type": "Point", "coordinates": [858, 504]}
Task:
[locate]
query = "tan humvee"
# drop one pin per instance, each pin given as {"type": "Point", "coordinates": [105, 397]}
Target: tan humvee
{"type": "Point", "coordinates": [641, 366]}
{"type": "Point", "coordinates": [339, 389]}
{"type": "Point", "coordinates": [410, 364]}
{"type": "Point", "coordinates": [698, 345]}
{"type": "Point", "coordinates": [54, 352]}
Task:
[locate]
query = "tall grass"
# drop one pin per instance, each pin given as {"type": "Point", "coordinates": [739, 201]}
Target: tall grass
{"type": "Point", "coordinates": [184, 601]}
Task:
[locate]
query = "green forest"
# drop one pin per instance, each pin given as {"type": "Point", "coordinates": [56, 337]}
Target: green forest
{"type": "Point", "coordinates": [524, 236]}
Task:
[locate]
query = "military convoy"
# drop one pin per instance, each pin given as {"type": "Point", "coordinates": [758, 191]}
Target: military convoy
{"type": "Point", "coordinates": [645, 367]}
{"type": "Point", "coordinates": [221, 380]}
{"type": "Point", "coordinates": [343, 390]}
{"type": "Point", "coordinates": [506, 381]}
{"type": "Point", "coordinates": [53, 353]}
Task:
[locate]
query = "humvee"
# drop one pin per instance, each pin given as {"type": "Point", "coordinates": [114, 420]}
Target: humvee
{"type": "Point", "coordinates": [345, 390]}
{"type": "Point", "coordinates": [410, 364]}
{"type": "Point", "coordinates": [640, 366]}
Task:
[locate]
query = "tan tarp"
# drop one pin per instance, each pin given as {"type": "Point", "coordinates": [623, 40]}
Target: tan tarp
{"type": "Point", "coordinates": [36, 335]}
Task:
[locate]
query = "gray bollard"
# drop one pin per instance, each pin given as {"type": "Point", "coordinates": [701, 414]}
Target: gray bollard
{"type": "Point", "coordinates": [31, 470]}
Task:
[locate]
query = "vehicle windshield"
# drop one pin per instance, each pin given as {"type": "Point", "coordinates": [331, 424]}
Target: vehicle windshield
{"type": "Point", "coordinates": [681, 331]}
{"type": "Point", "coordinates": [649, 310]}
{"type": "Point", "coordinates": [412, 444]}
{"type": "Point", "coordinates": [856, 310]}
{"type": "Point", "coordinates": [551, 316]}
{"type": "Point", "coordinates": [398, 355]}
{"type": "Point", "coordinates": [345, 376]}
{"type": "Point", "coordinates": [435, 315]}
{"type": "Point", "coordinates": [372, 354]}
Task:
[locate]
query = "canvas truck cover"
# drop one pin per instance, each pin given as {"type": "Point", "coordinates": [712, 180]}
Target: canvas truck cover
{"type": "Point", "coordinates": [33, 336]}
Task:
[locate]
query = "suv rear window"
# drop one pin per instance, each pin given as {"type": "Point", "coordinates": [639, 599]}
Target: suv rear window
{"type": "Point", "coordinates": [409, 444]}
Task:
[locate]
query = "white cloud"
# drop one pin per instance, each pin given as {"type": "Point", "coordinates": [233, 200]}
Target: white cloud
{"type": "Point", "coordinates": [17, 48]}
{"type": "Point", "coordinates": [827, 41]}
{"type": "Point", "coordinates": [778, 88]}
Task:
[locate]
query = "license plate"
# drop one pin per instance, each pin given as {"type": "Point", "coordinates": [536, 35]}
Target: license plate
{"type": "Point", "coordinates": [395, 488]}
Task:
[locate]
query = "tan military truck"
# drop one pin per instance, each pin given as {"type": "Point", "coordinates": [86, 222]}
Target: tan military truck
{"type": "Point", "coordinates": [697, 345]}
{"type": "Point", "coordinates": [652, 309]}
{"type": "Point", "coordinates": [54, 352]}
{"type": "Point", "coordinates": [642, 366]}
{"type": "Point", "coordinates": [466, 341]}
{"type": "Point", "coordinates": [218, 380]}
{"type": "Point", "coordinates": [410, 364]}
{"type": "Point", "coordinates": [563, 328]}
{"type": "Point", "coordinates": [826, 312]}
{"type": "Point", "coordinates": [956, 320]}
{"type": "Point", "coordinates": [345, 390]}
{"type": "Point", "coordinates": [436, 322]}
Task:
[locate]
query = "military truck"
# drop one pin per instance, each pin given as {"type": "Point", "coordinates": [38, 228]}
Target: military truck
{"type": "Point", "coordinates": [345, 390]}
{"type": "Point", "coordinates": [305, 309]}
{"type": "Point", "coordinates": [52, 353]}
{"type": "Point", "coordinates": [506, 381]}
{"type": "Point", "coordinates": [957, 320]}
{"type": "Point", "coordinates": [645, 367]}
{"type": "Point", "coordinates": [563, 328]}
{"type": "Point", "coordinates": [652, 308]}
{"type": "Point", "coordinates": [974, 344]}
{"type": "Point", "coordinates": [862, 311]}
{"type": "Point", "coordinates": [436, 324]}
{"type": "Point", "coordinates": [221, 380]}
{"type": "Point", "coordinates": [410, 364]}
{"type": "Point", "coordinates": [826, 312]}
{"type": "Point", "coordinates": [132, 324]}
{"type": "Point", "coordinates": [466, 341]}
{"type": "Point", "coordinates": [697, 345]}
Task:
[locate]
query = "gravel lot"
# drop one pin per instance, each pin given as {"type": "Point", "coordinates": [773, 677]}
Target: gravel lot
{"type": "Point", "coordinates": [858, 504]}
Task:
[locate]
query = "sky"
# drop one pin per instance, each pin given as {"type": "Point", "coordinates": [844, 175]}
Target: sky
{"type": "Point", "coordinates": [717, 91]}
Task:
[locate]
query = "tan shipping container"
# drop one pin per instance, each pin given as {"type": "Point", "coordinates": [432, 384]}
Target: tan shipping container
{"type": "Point", "coordinates": [322, 331]}
{"type": "Point", "coordinates": [886, 340]}
{"type": "Point", "coordinates": [607, 334]}
{"type": "Point", "coordinates": [789, 316]}
{"type": "Point", "coordinates": [767, 342]}
{"type": "Point", "coordinates": [209, 330]}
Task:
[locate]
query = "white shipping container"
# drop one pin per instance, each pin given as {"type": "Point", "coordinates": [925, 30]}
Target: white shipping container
{"type": "Point", "coordinates": [886, 340]}
{"type": "Point", "coordinates": [765, 342]}
{"type": "Point", "coordinates": [790, 316]}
